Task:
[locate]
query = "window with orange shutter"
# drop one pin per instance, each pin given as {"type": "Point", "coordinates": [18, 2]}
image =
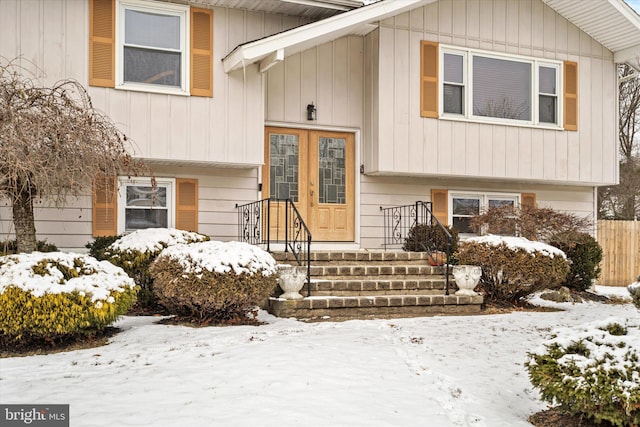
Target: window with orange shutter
{"type": "Point", "coordinates": [151, 46]}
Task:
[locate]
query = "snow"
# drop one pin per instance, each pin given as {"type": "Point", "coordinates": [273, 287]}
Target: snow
{"type": "Point", "coordinates": [154, 239]}
{"type": "Point", "coordinates": [97, 278]}
{"type": "Point", "coordinates": [435, 371]}
{"type": "Point", "coordinates": [221, 257]}
{"type": "Point", "coordinates": [514, 243]}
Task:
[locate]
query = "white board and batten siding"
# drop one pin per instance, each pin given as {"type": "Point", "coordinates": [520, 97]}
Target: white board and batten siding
{"type": "Point", "coordinates": [404, 142]}
{"type": "Point", "coordinates": [331, 76]}
{"type": "Point", "coordinates": [220, 132]}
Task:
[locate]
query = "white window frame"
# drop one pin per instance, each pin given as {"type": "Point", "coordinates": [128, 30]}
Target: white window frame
{"type": "Point", "coordinates": [123, 182]}
{"type": "Point", "coordinates": [172, 9]}
{"type": "Point", "coordinates": [468, 55]}
{"type": "Point", "coordinates": [464, 85]}
{"type": "Point", "coordinates": [484, 202]}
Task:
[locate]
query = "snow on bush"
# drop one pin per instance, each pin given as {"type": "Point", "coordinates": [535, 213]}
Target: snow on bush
{"type": "Point", "coordinates": [55, 293]}
{"type": "Point", "coordinates": [135, 252]}
{"type": "Point", "coordinates": [634, 290]}
{"type": "Point", "coordinates": [213, 281]}
{"type": "Point", "coordinates": [514, 267]}
{"type": "Point", "coordinates": [592, 370]}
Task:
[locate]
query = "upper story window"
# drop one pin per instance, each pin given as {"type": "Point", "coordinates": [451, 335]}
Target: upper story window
{"type": "Point", "coordinates": [498, 88]}
{"type": "Point", "coordinates": [151, 46]}
{"type": "Point", "coordinates": [487, 87]}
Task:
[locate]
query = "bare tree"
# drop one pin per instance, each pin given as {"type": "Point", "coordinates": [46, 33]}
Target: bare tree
{"type": "Point", "coordinates": [53, 144]}
{"type": "Point", "coordinates": [623, 201]}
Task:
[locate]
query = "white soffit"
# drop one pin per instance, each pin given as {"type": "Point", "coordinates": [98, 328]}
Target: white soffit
{"type": "Point", "coordinates": [612, 23]}
{"type": "Point", "coordinates": [358, 21]}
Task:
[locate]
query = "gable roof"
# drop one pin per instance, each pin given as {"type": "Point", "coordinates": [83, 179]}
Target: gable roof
{"type": "Point", "coordinates": [612, 23]}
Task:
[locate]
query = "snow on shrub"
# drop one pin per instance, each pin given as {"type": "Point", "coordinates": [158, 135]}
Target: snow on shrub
{"type": "Point", "coordinates": [634, 290]}
{"type": "Point", "coordinates": [213, 281]}
{"type": "Point", "coordinates": [592, 370]}
{"type": "Point", "coordinates": [513, 267]}
{"type": "Point", "coordinates": [135, 252]}
{"type": "Point", "coordinates": [55, 293]}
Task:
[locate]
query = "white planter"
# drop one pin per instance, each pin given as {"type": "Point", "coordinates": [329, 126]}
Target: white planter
{"type": "Point", "coordinates": [291, 280]}
{"type": "Point", "coordinates": [467, 278]}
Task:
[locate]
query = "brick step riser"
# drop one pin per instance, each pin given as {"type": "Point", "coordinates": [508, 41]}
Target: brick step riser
{"type": "Point", "coordinates": [377, 293]}
{"type": "Point", "coordinates": [375, 271]}
{"type": "Point", "coordinates": [327, 257]}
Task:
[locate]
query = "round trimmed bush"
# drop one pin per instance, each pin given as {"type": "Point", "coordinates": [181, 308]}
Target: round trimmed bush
{"type": "Point", "coordinates": [592, 370]}
{"type": "Point", "coordinates": [424, 237]}
{"type": "Point", "coordinates": [134, 253]}
{"type": "Point", "coordinates": [213, 281]}
{"type": "Point", "coordinates": [585, 255]}
{"type": "Point", "coordinates": [514, 267]}
{"type": "Point", "coordinates": [46, 295]}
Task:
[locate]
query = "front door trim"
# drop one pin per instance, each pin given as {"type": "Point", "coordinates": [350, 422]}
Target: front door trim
{"type": "Point", "coordinates": [357, 156]}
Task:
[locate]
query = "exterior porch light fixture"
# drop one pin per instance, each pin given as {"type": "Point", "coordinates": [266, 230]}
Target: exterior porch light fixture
{"type": "Point", "coordinates": [311, 112]}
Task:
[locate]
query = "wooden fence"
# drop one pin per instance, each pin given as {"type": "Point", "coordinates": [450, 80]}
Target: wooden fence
{"type": "Point", "coordinates": [620, 241]}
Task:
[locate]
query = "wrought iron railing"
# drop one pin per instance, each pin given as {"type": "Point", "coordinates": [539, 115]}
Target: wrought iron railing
{"type": "Point", "coordinates": [276, 221]}
{"type": "Point", "coordinates": [399, 222]}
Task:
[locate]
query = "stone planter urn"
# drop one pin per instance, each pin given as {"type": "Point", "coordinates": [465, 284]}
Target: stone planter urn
{"type": "Point", "coordinates": [467, 278]}
{"type": "Point", "coordinates": [291, 280]}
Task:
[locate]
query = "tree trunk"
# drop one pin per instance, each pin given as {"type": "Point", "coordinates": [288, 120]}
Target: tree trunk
{"type": "Point", "coordinates": [23, 220]}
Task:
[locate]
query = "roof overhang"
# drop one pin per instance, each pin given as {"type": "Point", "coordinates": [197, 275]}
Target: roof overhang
{"type": "Point", "coordinates": [270, 50]}
{"type": "Point", "coordinates": [612, 23]}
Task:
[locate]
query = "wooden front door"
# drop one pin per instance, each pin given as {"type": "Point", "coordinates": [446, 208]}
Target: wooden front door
{"type": "Point", "coordinates": [315, 169]}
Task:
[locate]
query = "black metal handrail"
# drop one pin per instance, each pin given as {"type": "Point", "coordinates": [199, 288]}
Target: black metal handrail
{"type": "Point", "coordinates": [398, 222]}
{"type": "Point", "coordinates": [270, 221]}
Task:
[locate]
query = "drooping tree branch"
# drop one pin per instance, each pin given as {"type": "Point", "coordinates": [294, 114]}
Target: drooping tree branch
{"type": "Point", "coordinates": [53, 143]}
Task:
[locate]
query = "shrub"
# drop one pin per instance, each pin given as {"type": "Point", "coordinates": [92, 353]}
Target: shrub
{"type": "Point", "coordinates": [634, 290]}
{"type": "Point", "coordinates": [47, 295]}
{"type": "Point", "coordinates": [134, 253]}
{"type": "Point", "coordinates": [213, 281]}
{"type": "Point", "coordinates": [424, 237]}
{"type": "Point", "coordinates": [592, 371]}
{"type": "Point", "coordinates": [585, 255]}
{"type": "Point", "coordinates": [514, 267]}
{"type": "Point", "coordinates": [9, 247]}
{"type": "Point", "coordinates": [99, 246]}
{"type": "Point", "coordinates": [531, 222]}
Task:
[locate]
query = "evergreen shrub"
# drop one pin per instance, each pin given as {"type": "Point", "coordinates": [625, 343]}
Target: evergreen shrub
{"type": "Point", "coordinates": [584, 253]}
{"type": "Point", "coordinates": [425, 237]}
{"type": "Point", "coordinates": [593, 370]}
{"type": "Point", "coordinates": [213, 281]}
{"type": "Point", "coordinates": [48, 295]}
{"type": "Point", "coordinates": [134, 253]}
{"type": "Point", "coordinates": [513, 267]}
{"type": "Point", "coordinates": [9, 247]}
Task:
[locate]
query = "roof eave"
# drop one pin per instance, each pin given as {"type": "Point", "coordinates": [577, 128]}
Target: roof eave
{"type": "Point", "coordinates": [316, 32]}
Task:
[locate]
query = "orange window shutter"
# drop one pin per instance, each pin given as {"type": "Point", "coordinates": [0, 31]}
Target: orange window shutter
{"type": "Point", "coordinates": [201, 52]}
{"type": "Point", "coordinates": [571, 95]}
{"type": "Point", "coordinates": [187, 204]}
{"type": "Point", "coordinates": [102, 43]}
{"type": "Point", "coordinates": [429, 79]}
{"type": "Point", "coordinates": [104, 205]}
{"type": "Point", "coordinates": [440, 205]}
{"type": "Point", "coordinates": [528, 200]}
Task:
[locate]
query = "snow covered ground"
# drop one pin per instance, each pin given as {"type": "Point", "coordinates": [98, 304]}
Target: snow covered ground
{"type": "Point", "coordinates": [434, 371]}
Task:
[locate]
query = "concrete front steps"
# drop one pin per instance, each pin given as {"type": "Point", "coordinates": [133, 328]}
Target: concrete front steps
{"type": "Point", "coordinates": [372, 284]}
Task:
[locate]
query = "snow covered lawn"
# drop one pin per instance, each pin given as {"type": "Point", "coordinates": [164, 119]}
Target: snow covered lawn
{"type": "Point", "coordinates": [434, 371]}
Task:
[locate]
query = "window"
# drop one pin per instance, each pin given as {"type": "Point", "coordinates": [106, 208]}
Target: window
{"type": "Point", "coordinates": [142, 206]}
{"type": "Point", "coordinates": [466, 205]}
{"type": "Point", "coordinates": [504, 88]}
{"type": "Point", "coordinates": [123, 204]}
{"type": "Point", "coordinates": [151, 46]}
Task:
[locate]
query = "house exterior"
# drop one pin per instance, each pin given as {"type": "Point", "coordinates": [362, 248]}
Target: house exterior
{"type": "Point", "coordinates": [343, 107]}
